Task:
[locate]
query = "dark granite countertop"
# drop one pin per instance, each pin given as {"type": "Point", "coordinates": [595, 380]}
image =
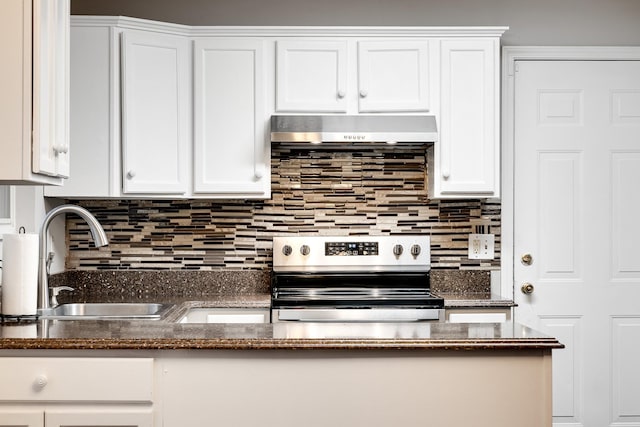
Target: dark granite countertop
{"type": "Point", "coordinates": [249, 290]}
{"type": "Point", "coordinates": [160, 335]}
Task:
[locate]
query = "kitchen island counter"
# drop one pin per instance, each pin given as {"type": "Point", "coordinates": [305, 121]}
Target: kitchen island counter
{"type": "Point", "coordinates": [196, 374]}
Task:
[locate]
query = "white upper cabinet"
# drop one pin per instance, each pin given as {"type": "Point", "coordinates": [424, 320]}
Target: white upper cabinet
{"type": "Point", "coordinates": [311, 76]}
{"type": "Point", "coordinates": [348, 76]}
{"type": "Point", "coordinates": [34, 39]}
{"type": "Point", "coordinates": [466, 160]}
{"type": "Point", "coordinates": [171, 111]}
{"type": "Point", "coordinates": [155, 113]}
{"type": "Point", "coordinates": [231, 146]}
{"type": "Point", "coordinates": [94, 114]}
{"type": "Point", "coordinates": [393, 76]}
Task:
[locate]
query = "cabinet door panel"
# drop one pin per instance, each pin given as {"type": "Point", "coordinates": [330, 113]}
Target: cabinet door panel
{"type": "Point", "coordinates": [92, 172]}
{"type": "Point", "coordinates": [21, 418]}
{"type": "Point", "coordinates": [103, 417]}
{"type": "Point", "coordinates": [393, 76]}
{"type": "Point", "coordinates": [468, 147]}
{"type": "Point", "coordinates": [230, 152]}
{"type": "Point", "coordinates": [51, 87]}
{"type": "Point", "coordinates": [155, 125]}
{"type": "Point", "coordinates": [311, 76]}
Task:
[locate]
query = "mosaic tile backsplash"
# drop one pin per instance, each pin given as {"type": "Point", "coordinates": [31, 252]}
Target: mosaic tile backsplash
{"type": "Point", "coordinates": [343, 191]}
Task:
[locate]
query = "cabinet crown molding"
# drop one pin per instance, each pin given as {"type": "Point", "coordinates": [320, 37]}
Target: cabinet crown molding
{"type": "Point", "coordinates": [287, 31]}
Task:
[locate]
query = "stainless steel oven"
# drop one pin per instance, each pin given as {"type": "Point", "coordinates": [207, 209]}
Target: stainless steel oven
{"type": "Point", "coordinates": [353, 279]}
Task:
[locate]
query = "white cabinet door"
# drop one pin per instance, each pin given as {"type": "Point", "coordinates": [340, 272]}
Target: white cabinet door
{"type": "Point", "coordinates": [99, 417]}
{"type": "Point", "coordinates": [10, 417]}
{"type": "Point", "coordinates": [311, 76]}
{"type": "Point", "coordinates": [231, 146]}
{"type": "Point", "coordinates": [33, 88]}
{"type": "Point", "coordinates": [393, 76]}
{"type": "Point", "coordinates": [467, 155]}
{"type": "Point", "coordinates": [51, 87]}
{"type": "Point", "coordinates": [155, 113]}
{"type": "Point", "coordinates": [81, 416]}
{"type": "Point", "coordinates": [94, 99]}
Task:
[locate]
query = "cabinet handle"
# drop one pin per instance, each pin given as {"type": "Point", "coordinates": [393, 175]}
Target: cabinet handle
{"type": "Point", "coordinates": [258, 171]}
{"type": "Point", "coordinates": [131, 174]}
{"type": "Point", "coordinates": [341, 94]}
{"type": "Point", "coordinates": [363, 93]}
{"type": "Point", "coordinates": [445, 173]}
{"type": "Point", "coordinates": [60, 149]}
{"type": "Point", "coordinates": [40, 382]}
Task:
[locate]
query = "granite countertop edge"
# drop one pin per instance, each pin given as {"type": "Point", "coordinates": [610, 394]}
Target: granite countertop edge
{"type": "Point", "coordinates": [276, 344]}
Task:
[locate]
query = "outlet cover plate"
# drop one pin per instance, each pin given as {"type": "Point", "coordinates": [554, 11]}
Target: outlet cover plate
{"type": "Point", "coordinates": [482, 246]}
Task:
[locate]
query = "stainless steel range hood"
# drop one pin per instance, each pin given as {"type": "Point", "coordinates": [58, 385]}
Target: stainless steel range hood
{"type": "Point", "coordinates": [318, 129]}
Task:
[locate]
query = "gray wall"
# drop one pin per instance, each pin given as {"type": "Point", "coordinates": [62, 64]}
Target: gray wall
{"type": "Point", "coordinates": [531, 22]}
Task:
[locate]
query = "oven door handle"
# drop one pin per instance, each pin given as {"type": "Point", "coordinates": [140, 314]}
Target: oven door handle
{"type": "Point", "coordinates": [356, 315]}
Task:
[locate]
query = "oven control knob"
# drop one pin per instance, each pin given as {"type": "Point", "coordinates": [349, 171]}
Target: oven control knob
{"type": "Point", "coordinates": [415, 250]}
{"type": "Point", "coordinates": [286, 250]}
{"type": "Point", "coordinates": [305, 249]}
{"type": "Point", "coordinates": [397, 250]}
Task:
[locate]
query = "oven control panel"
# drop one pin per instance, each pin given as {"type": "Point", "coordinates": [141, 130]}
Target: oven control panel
{"type": "Point", "coordinates": [351, 248]}
{"type": "Point", "coordinates": [349, 253]}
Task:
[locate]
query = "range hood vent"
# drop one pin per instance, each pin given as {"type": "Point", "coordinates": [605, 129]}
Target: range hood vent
{"type": "Point", "coordinates": [318, 129]}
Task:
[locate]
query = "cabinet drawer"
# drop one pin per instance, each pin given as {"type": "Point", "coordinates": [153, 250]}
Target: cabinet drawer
{"type": "Point", "coordinates": [77, 379]}
{"type": "Point", "coordinates": [478, 315]}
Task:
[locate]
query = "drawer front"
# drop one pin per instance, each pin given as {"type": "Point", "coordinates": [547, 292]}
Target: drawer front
{"type": "Point", "coordinates": [76, 379]}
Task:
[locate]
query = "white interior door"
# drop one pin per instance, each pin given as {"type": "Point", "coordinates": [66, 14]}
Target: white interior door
{"type": "Point", "coordinates": [576, 207]}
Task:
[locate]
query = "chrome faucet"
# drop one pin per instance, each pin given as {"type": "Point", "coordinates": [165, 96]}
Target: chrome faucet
{"type": "Point", "coordinates": [97, 233]}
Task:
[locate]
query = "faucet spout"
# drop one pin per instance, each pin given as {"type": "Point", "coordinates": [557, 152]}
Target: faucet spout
{"type": "Point", "coordinates": [97, 233]}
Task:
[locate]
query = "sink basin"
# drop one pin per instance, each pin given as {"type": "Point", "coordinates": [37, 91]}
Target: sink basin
{"type": "Point", "coordinates": [225, 315]}
{"type": "Point", "coordinates": [110, 311]}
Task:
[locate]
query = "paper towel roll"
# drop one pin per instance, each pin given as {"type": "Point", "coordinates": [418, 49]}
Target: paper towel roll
{"type": "Point", "coordinates": [20, 274]}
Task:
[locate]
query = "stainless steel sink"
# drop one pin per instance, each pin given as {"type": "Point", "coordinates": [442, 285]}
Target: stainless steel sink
{"type": "Point", "coordinates": [111, 311]}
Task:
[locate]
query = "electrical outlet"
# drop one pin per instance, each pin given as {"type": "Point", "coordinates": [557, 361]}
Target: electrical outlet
{"type": "Point", "coordinates": [482, 246]}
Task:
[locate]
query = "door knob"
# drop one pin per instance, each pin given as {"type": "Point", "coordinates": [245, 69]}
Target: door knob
{"type": "Point", "coordinates": [527, 259]}
{"type": "Point", "coordinates": [527, 288]}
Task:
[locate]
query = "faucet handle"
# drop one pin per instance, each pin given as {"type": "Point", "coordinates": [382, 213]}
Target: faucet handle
{"type": "Point", "coordinates": [55, 291]}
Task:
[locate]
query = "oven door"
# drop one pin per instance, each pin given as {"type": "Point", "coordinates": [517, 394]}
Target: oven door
{"type": "Point", "coordinates": [354, 297]}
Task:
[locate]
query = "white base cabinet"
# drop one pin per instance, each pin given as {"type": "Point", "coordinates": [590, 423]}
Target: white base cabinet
{"type": "Point", "coordinates": [76, 391]}
{"type": "Point", "coordinates": [68, 416]}
{"type": "Point", "coordinates": [34, 39]}
{"type": "Point", "coordinates": [276, 388]}
{"type": "Point", "coordinates": [357, 388]}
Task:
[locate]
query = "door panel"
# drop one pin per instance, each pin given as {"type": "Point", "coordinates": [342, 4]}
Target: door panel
{"type": "Point", "coordinates": [21, 418]}
{"type": "Point", "coordinates": [576, 204]}
{"type": "Point", "coordinates": [393, 76]}
{"type": "Point", "coordinates": [625, 196]}
{"type": "Point", "coordinates": [155, 125]}
{"type": "Point", "coordinates": [311, 76]}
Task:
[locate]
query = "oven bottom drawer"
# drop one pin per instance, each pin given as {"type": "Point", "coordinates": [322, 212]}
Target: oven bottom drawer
{"type": "Point", "coordinates": [356, 314]}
